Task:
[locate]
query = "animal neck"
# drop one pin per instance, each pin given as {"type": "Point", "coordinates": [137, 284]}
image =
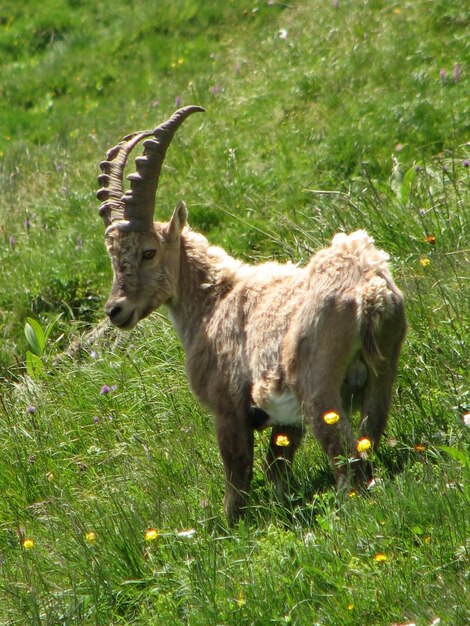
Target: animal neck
{"type": "Point", "coordinates": [206, 274]}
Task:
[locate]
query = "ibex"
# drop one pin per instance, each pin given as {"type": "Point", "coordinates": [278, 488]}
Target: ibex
{"type": "Point", "coordinates": [269, 345]}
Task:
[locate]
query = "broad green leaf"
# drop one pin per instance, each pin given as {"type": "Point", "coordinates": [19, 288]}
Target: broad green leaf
{"type": "Point", "coordinates": [34, 365]}
{"type": "Point", "coordinates": [458, 455]}
{"type": "Point", "coordinates": [34, 336]}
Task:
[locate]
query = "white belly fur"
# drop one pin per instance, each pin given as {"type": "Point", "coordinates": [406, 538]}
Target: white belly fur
{"type": "Point", "coordinates": [283, 409]}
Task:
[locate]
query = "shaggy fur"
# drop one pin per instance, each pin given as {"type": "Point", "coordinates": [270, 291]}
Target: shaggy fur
{"type": "Point", "coordinates": [270, 345]}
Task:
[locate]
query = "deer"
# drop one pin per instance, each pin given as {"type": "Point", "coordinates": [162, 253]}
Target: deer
{"type": "Point", "coordinates": [266, 345]}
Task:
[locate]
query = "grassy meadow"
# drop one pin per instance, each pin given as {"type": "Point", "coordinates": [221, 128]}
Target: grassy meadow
{"type": "Point", "coordinates": [321, 116]}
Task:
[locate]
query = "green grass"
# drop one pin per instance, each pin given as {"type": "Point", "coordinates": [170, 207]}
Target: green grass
{"type": "Point", "coordinates": [318, 119]}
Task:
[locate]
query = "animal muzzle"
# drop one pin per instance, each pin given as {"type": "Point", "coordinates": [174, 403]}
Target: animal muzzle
{"type": "Point", "coordinates": [121, 312]}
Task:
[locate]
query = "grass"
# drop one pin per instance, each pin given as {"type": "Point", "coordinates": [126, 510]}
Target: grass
{"type": "Point", "coordinates": [319, 118]}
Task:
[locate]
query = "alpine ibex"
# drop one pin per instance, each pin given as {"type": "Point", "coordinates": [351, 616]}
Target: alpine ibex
{"type": "Point", "coordinates": [266, 345]}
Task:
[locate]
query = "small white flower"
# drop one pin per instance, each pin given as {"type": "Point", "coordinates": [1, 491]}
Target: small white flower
{"type": "Point", "coordinates": [282, 34]}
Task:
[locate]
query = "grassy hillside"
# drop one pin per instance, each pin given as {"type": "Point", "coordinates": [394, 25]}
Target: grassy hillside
{"type": "Point", "coordinates": [321, 116]}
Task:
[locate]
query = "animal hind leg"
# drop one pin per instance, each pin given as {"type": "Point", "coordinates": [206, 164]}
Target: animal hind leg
{"type": "Point", "coordinates": [324, 361]}
{"type": "Point", "coordinates": [378, 393]}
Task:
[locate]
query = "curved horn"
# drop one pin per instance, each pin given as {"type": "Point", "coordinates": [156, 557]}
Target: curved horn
{"type": "Point", "coordinates": [136, 206]}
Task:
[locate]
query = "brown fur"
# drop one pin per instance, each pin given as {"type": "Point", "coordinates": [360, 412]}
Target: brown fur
{"type": "Point", "coordinates": [319, 338]}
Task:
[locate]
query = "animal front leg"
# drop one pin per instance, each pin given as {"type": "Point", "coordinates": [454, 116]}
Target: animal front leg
{"type": "Point", "coordinates": [236, 440]}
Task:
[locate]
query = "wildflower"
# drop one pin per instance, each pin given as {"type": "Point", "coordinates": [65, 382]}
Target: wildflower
{"type": "Point", "coordinates": [90, 536]}
{"type": "Point", "coordinates": [420, 447]}
{"type": "Point", "coordinates": [397, 11]}
{"type": "Point", "coordinates": [178, 101]}
{"type": "Point", "coordinates": [466, 419]}
{"type": "Point", "coordinates": [363, 444]}
{"type": "Point", "coordinates": [422, 212]}
{"type": "Point", "coordinates": [241, 600]}
{"type": "Point", "coordinates": [96, 419]}
{"type": "Point", "coordinates": [104, 390]}
{"type": "Point", "coordinates": [28, 544]}
{"type": "Point", "coordinates": [466, 162]}
{"type": "Point", "coordinates": [353, 493]}
{"type": "Point", "coordinates": [425, 262]}
{"type": "Point", "coordinates": [12, 242]}
{"type": "Point", "coordinates": [31, 409]}
{"type": "Point", "coordinates": [350, 606]}
{"type": "Point", "coordinates": [187, 533]}
{"type": "Point", "coordinates": [457, 72]}
{"type": "Point", "coordinates": [151, 534]}
{"type": "Point", "coordinates": [113, 387]}
{"type": "Point", "coordinates": [282, 34]}
{"type": "Point", "coordinates": [27, 224]}
{"type": "Point", "coordinates": [50, 477]}
{"type": "Point", "coordinates": [380, 557]}
{"type": "Point", "coordinates": [431, 239]}
{"type": "Point", "coordinates": [442, 74]}
{"type": "Point", "coordinates": [331, 417]}
{"type": "Point", "coordinates": [282, 441]}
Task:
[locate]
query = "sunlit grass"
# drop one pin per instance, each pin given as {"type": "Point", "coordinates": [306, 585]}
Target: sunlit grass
{"type": "Point", "coordinates": [320, 117]}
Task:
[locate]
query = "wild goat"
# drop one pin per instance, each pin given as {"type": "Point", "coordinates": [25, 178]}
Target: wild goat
{"type": "Point", "coordinates": [266, 345]}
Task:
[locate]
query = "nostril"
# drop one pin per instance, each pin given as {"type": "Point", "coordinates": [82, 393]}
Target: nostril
{"type": "Point", "coordinates": [114, 311]}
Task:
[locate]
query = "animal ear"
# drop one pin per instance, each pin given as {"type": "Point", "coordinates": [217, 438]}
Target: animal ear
{"type": "Point", "coordinates": [177, 222]}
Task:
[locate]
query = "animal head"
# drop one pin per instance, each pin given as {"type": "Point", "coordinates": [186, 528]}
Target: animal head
{"type": "Point", "coordinates": [144, 253]}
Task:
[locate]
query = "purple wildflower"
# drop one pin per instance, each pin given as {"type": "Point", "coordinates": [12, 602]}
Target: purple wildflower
{"type": "Point", "coordinates": [114, 387]}
{"type": "Point", "coordinates": [96, 419]}
{"type": "Point", "coordinates": [466, 163]}
{"type": "Point", "coordinates": [422, 212]}
{"type": "Point", "coordinates": [443, 74]}
{"type": "Point", "coordinates": [31, 409]}
{"type": "Point", "coordinates": [104, 390]}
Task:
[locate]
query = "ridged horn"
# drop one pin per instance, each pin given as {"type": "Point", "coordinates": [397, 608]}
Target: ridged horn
{"type": "Point", "coordinates": [136, 206]}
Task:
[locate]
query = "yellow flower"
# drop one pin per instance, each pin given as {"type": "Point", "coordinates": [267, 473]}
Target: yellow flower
{"type": "Point", "coordinates": [331, 417]}
{"type": "Point", "coordinates": [90, 536]}
{"type": "Point", "coordinates": [282, 441]}
{"type": "Point", "coordinates": [424, 262]}
{"type": "Point", "coordinates": [151, 534]}
{"type": "Point", "coordinates": [353, 493]}
{"type": "Point", "coordinates": [380, 557]}
{"type": "Point", "coordinates": [241, 600]}
{"type": "Point", "coordinates": [363, 444]}
{"type": "Point", "coordinates": [28, 544]}
{"type": "Point", "coordinates": [420, 447]}
{"type": "Point", "coordinates": [350, 606]}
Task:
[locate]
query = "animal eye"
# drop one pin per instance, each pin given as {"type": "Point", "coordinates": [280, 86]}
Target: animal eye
{"type": "Point", "coordinates": [149, 254]}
